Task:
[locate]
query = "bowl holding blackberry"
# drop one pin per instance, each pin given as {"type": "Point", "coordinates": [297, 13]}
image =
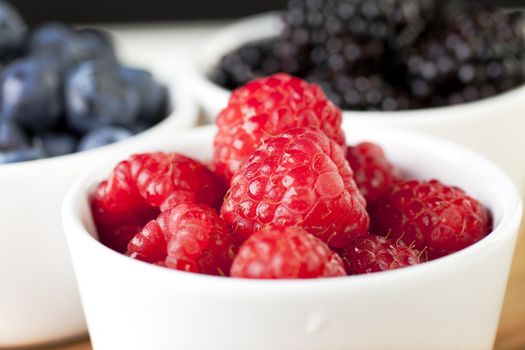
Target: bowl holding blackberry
{"type": "Point", "coordinates": [454, 69]}
{"type": "Point", "coordinates": [67, 102]}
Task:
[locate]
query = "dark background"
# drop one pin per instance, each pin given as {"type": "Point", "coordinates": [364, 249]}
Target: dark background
{"type": "Point", "coordinates": [78, 11]}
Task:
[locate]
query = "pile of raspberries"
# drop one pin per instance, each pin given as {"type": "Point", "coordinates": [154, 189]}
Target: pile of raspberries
{"type": "Point", "coordinates": [283, 197]}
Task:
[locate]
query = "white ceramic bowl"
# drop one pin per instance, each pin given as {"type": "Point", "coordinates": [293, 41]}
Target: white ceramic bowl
{"type": "Point", "coordinates": [39, 300]}
{"type": "Point", "coordinates": [493, 127]}
{"type": "Point", "coordinates": [450, 303]}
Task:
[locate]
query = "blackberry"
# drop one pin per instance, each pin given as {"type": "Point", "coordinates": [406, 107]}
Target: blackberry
{"type": "Point", "coordinates": [343, 33]}
{"type": "Point", "coordinates": [390, 54]}
{"type": "Point", "coordinates": [334, 42]}
{"type": "Point", "coordinates": [366, 92]}
{"type": "Point", "coordinates": [471, 52]}
{"type": "Point", "coordinates": [255, 60]}
{"type": "Point", "coordinates": [348, 43]}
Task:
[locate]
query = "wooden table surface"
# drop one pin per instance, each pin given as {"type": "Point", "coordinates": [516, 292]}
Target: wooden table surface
{"type": "Point", "coordinates": [511, 332]}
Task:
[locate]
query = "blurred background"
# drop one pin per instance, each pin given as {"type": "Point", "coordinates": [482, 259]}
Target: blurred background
{"type": "Point", "coordinates": [100, 11]}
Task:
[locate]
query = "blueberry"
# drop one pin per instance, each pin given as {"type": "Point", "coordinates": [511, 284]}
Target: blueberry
{"type": "Point", "coordinates": [15, 146]}
{"type": "Point", "coordinates": [23, 154]}
{"type": "Point", "coordinates": [57, 41]}
{"type": "Point", "coordinates": [97, 96]}
{"type": "Point", "coordinates": [153, 96]}
{"type": "Point", "coordinates": [12, 137]}
{"type": "Point", "coordinates": [103, 136]}
{"type": "Point", "coordinates": [95, 44]}
{"type": "Point", "coordinates": [12, 31]}
{"type": "Point", "coordinates": [139, 127]}
{"type": "Point", "coordinates": [57, 143]}
{"type": "Point", "coordinates": [31, 94]}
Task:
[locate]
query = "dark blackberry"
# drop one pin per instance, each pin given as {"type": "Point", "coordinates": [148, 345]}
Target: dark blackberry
{"type": "Point", "coordinates": [334, 42]}
{"type": "Point", "coordinates": [255, 60]}
{"type": "Point", "coordinates": [470, 52]}
{"type": "Point", "coordinates": [342, 33]}
{"type": "Point", "coordinates": [366, 92]}
{"type": "Point", "coordinates": [390, 54]}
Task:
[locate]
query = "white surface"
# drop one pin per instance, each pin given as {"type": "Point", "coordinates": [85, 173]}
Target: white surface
{"type": "Point", "coordinates": [38, 295]}
{"type": "Point", "coordinates": [450, 303]}
{"type": "Point", "coordinates": [163, 47]}
{"type": "Point", "coordinates": [494, 127]}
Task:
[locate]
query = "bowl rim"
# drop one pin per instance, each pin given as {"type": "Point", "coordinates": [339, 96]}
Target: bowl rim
{"type": "Point", "coordinates": [508, 195]}
{"type": "Point", "coordinates": [199, 76]}
{"type": "Point", "coordinates": [184, 114]}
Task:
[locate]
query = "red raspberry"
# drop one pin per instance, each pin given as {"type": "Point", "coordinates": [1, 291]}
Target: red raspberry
{"type": "Point", "coordinates": [373, 173]}
{"type": "Point", "coordinates": [290, 252]}
{"type": "Point", "coordinates": [138, 186]}
{"type": "Point", "coordinates": [442, 219]}
{"type": "Point", "coordinates": [375, 253]}
{"type": "Point", "coordinates": [118, 209]}
{"type": "Point", "coordinates": [298, 178]}
{"type": "Point", "coordinates": [161, 177]}
{"type": "Point", "coordinates": [119, 193]}
{"type": "Point", "coordinates": [267, 107]}
{"type": "Point", "coordinates": [188, 237]}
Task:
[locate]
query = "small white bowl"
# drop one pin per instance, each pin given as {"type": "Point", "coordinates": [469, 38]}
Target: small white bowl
{"type": "Point", "coordinates": [493, 126]}
{"type": "Point", "coordinates": [450, 303]}
{"type": "Point", "coordinates": [39, 299]}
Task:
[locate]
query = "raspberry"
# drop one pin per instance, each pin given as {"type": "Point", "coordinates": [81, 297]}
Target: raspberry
{"type": "Point", "coordinates": [118, 209]}
{"type": "Point", "coordinates": [160, 176]}
{"type": "Point", "coordinates": [432, 216]}
{"type": "Point", "coordinates": [375, 253]}
{"type": "Point", "coordinates": [373, 173]}
{"type": "Point", "coordinates": [140, 185]}
{"type": "Point", "coordinates": [291, 252]}
{"type": "Point", "coordinates": [298, 178]}
{"type": "Point", "coordinates": [267, 107]}
{"type": "Point", "coordinates": [188, 237]}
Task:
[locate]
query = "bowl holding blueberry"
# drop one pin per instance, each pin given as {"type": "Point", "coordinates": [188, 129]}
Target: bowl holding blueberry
{"type": "Point", "coordinates": [67, 103]}
{"type": "Point", "coordinates": [453, 69]}
{"type": "Point", "coordinates": [284, 227]}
